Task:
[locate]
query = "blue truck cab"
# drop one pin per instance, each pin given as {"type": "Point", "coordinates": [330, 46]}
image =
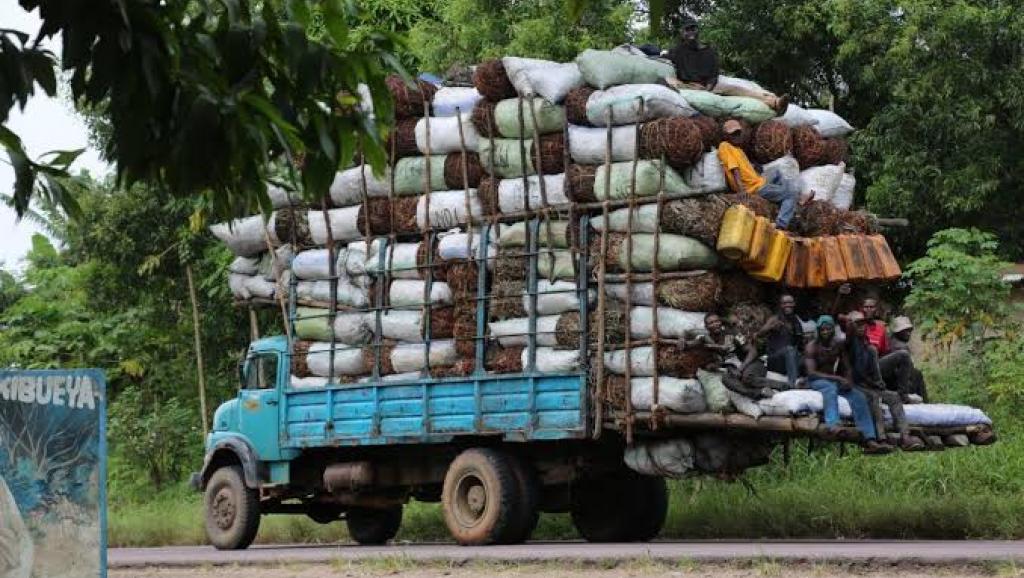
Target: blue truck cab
{"type": "Point", "coordinates": [496, 450]}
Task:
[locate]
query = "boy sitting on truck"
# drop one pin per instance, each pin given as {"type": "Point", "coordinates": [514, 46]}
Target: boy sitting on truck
{"type": "Point", "coordinates": [743, 178]}
{"type": "Point", "coordinates": [828, 372]}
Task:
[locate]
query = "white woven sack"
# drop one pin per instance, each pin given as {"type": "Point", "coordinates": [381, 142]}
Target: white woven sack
{"type": "Point", "coordinates": [842, 198]}
{"type": "Point", "coordinates": [511, 197]}
{"type": "Point", "coordinates": [735, 82]}
{"type": "Point", "coordinates": [448, 209]}
{"type": "Point", "coordinates": [549, 80]}
{"type": "Point", "coordinates": [444, 135]}
{"type": "Point", "coordinates": [408, 293]}
{"type": "Point", "coordinates": [401, 324]}
{"type": "Point", "coordinates": [258, 286]}
{"type": "Point", "coordinates": [411, 376]}
{"type": "Point", "coordinates": [458, 245]}
{"type": "Point", "coordinates": [244, 237]}
{"type": "Point", "coordinates": [587, 144]}
{"type": "Point", "coordinates": [820, 183]}
{"type": "Point", "coordinates": [658, 102]}
{"type": "Point", "coordinates": [407, 357]}
{"type": "Point", "coordinates": [707, 175]}
{"type": "Point", "coordinates": [555, 264]}
{"type": "Point", "coordinates": [829, 124]}
{"type": "Point", "coordinates": [512, 332]}
{"type": "Point", "coordinates": [799, 402]}
{"type": "Point", "coordinates": [671, 458]}
{"type": "Point", "coordinates": [400, 261]}
{"type": "Point", "coordinates": [348, 361]}
{"type": "Point", "coordinates": [787, 166]}
{"type": "Point", "coordinates": [344, 225]}
{"type": "Point", "coordinates": [549, 360]}
{"type": "Point", "coordinates": [678, 395]}
{"type": "Point", "coordinates": [236, 283]}
{"type": "Point", "coordinates": [671, 322]}
{"type": "Point", "coordinates": [556, 297]}
{"type": "Point", "coordinates": [797, 116]}
{"type": "Point", "coordinates": [244, 265]}
{"type": "Point", "coordinates": [308, 382]}
{"type": "Point", "coordinates": [348, 294]}
{"type": "Point", "coordinates": [641, 361]}
{"type": "Point", "coordinates": [355, 258]}
{"type": "Point", "coordinates": [642, 293]}
{"type": "Point", "coordinates": [347, 187]}
{"type": "Point", "coordinates": [280, 198]}
{"type": "Point", "coordinates": [449, 100]}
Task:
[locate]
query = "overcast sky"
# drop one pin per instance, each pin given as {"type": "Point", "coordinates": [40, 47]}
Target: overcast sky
{"type": "Point", "coordinates": [46, 124]}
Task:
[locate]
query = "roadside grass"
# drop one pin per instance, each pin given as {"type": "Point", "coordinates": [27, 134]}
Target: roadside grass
{"type": "Point", "coordinates": [975, 492]}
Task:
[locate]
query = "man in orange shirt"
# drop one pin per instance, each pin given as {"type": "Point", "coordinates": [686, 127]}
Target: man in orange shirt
{"type": "Point", "coordinates": [744, 178]}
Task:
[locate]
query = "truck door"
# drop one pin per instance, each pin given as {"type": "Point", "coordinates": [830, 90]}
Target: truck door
{"type": "Point", "coordinates": [259, 401]}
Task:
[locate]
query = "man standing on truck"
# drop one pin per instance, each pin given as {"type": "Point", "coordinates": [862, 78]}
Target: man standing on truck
{"type": "Point", "coordinates": [784, 336]}
{"type": "Point", "coordinates": [864, 372]}
{"type": "Point", "coordinates": [828, 372]}
{"type": "Point", "coordinates": [696, 65]}
{"type": "Point", "coordinates": [743, 178]}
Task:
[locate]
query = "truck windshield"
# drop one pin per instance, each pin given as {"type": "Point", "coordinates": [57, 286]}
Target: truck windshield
{"type": "Point", "coordinates": [261, 372]}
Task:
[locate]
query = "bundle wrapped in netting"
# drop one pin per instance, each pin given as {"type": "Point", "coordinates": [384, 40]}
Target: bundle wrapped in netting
{"type": "Point", "coordinates": [679, 140]}
{"type": "Point", "coordinates": [487, 192]}
{"type": "Point", "coordinates": [835, 151]}
{"type": "Point", "coordinates": [491, 81]}
{"type": "Point", "coordinates": [402, 139]}
{"type": "Point", "coordinates": [453, 170]}
{"type": "Point", "coordinates": [748, 318]}
{"type": "Point", "coordinates": [462, 279]}
{"type": "Point", "coordinates": [483, 118]}
{"type": "Point", "coordinates": [291, 225]}
{"type": "Point", "coordinates": [552, 153]}
{"type": "Point", "coordinates": [697, 217]}
{"type": "Point", "coordinates": [384, 213]}
{"type": "Point", "coordinates": [710, 131]}
{"type": "Point", "coordinates": [808, 146]}
{"type": "Point", "coordinates": [772, 140]}
{"type": "Point", "coordinates": [409, 99]}
{"type": "Point", "coordinates": [580, 181]}
{"type": "Point", "coordinates": [817, 218]}
{"type": "Point", "coordinates": [510, 264]}
{"type": "Point", "coordinates": [761, 207]}
{"type": "Point", "coordinates": [370, 356]}
{"type": "Point", "coordinates": [737, 287]}
{"type": "Point", "coordinates": [504, 359]}
{"type": "Point", "coordinates": [858, 222]}
{"type": "Point", "coordinates": [576, 105]}
{"type": "Point", "coordinates": [507, 299]}
{"type": "Point", "coordinates": [435, 262]}
{"type": "Point", "coordinates": [567, 330]}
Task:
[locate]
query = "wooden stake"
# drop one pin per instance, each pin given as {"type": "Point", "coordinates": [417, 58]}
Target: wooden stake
{"type": "Point", "coordinates": [199, 347]}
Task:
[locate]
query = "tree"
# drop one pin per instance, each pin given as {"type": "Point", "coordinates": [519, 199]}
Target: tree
{"type": "Point", "coordinates": [200, 96]}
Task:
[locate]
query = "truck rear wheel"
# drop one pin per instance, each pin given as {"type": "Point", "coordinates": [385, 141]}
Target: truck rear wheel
{"type": "Point", "coordinates": [481, 498]}
{"type": "Point", "coordinates": [232, 510]}
{"type": "Point", "coordinates": [373, 526]}
{"type": "Point", "coordinates": [621, 507]}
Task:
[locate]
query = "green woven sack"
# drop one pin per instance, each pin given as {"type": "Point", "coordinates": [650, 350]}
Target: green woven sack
{"type": "Point", "coordinates": [715, 394]}
{"type": "Point", "coordinates": [550, 117]}
{"type": "Point", "coordinates": [508, 157]}
{"type": "Point", "coordinates": [648, 180]}
{"type": "Point", "coordinates": [711, 104]}
{"type": "Point", "coordinates": [603, 68]}
{"type": "Point", "coordinates": [410, 175]}
{"type": "Point", "coordinates": [312, 324]}
{"type": "Point", "coordinates": [675, 253]}
{"type": "Point", "coordinates": [750, 109]}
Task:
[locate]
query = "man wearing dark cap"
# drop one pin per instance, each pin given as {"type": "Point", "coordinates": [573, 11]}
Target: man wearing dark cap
{"type": "Point", "coordinates": [742, 177]}
{"type": "Point", "coordinates": [696, 67]}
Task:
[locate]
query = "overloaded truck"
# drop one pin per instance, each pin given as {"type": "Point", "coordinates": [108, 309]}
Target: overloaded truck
{"type": "Point", "coordinates": [498, 321]}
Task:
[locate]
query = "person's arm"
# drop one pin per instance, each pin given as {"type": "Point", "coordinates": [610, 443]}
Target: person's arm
{"type": "Point", "coordinates": [767, 328]}
{"type": "Point", "coordinates": [844, 290]}
{"type": "Point", "coordinates": [751, 356]}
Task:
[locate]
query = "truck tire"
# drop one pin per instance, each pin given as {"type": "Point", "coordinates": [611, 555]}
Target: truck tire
{"type": "Point", "coordinates": [232, 510]}
{"type": "Point", "coordinates": [529, 492]}
{"type": "Point", "coordinates": [373, 526]}
{"type": "Point", "coordinates": [635, 514]}
{"type": "Point", "coordinates": [481, 498]}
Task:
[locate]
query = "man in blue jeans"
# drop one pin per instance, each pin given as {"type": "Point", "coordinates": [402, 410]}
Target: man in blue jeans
{"type": "Point", "coordinates": [828, 368]}
{"type": "Point", "coordinates": [743, 178]}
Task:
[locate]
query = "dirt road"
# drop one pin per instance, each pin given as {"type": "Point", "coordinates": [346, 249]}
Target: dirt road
{"type": "Point", "coordinates": [905, 559]}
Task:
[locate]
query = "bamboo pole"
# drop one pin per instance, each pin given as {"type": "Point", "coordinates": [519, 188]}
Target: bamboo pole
{"type": "Point", "coordinates": [197, 335]}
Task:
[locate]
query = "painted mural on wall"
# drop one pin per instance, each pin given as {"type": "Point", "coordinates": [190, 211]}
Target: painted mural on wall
{"type": "Point", "coordinates": [52, 471]}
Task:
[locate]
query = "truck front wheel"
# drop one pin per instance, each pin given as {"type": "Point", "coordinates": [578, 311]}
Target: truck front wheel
{"type": "Point", "coordinates": [481, 498]}
{"type": "Point", "coordinates": [373, 526]}
{"type": "Point", "coordinates": [232, 510]}
{"type": "Point", "coordinates": [621, 507]}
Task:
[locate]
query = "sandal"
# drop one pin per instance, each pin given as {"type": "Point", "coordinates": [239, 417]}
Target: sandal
{"type": "Point", "coordinates": [873, 448]}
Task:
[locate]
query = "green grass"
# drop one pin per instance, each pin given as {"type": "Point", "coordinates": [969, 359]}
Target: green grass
{"type": "Point", "coordinates": [975, 492]}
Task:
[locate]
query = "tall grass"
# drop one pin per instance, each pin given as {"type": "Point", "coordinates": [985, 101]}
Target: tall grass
{"type": "Point", "coordinates": [975, 492]}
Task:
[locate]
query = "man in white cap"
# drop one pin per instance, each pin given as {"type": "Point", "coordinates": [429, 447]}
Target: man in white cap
{"type": "Point", "coordinates": [743, 178]}
{"type": "Point", "coordinates": [900, 332]}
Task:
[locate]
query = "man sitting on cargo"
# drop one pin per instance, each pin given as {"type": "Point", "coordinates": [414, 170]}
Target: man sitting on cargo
{"type": "Point", "coordinates": [896, 366]}
{"type": "Point", "coordinates": [742, 177]}
{"type": "Point", "coordinates": [827, 365]}
{"type": "Point", "coordinates": [899, 340]}
{"type": "Point", "coordinates": [784, 335]}
{"type": "Point", "coordinates": [697, 68]}
{"type": "Point", "coordinates": [864, 371]}
{"type": "Point", "coordinates": [744, 376]}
